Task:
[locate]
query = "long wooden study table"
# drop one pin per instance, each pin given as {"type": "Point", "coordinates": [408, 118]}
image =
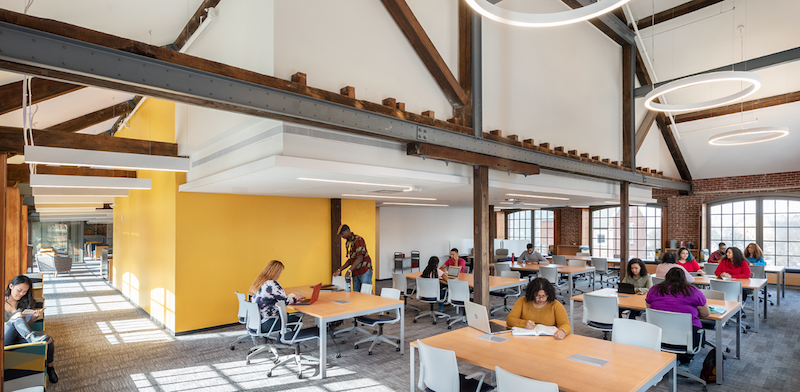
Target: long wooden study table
{"type": "Point", "coordinates": [637, 302]}
{"type": "Point", "coordinates": [495, 282]}
{"type": "Point", "coordinates": [629, 368]}
{"type": "Point", "coordinates": [568, 270]}
{"type": "Point", "coordinates": [754, 284]}
{"type": "Point", "coordinates": [326, 310]}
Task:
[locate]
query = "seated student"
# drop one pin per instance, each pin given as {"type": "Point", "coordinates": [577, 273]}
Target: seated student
{"type": "Point", "coordinates": [686, 261]}
{"type": "Point", "coordinates": [733, 265]}
{"type": "Point", "coordinates": [539, 306]}
{"type": "Point", "coordinates": [637, 276]}
{"type": "Point", "coordinates": [267, 292]}
{"type": "Point", "coordinates": [754, 255]}
{"type": "Point", "coordinates": [675, 294]}
{"type": "Point", "coordinates": [718, 254]}
{"type": "Point", "coordinates": [432, 270]}
{"type": "Point", "coordinates": [19, 297]}
{"type": "Point", "coordinates": [532, 256]}
{"type": "Point", "coordinates": [455, 261]}
{"type": "Point", "coordinates": [668, 263]}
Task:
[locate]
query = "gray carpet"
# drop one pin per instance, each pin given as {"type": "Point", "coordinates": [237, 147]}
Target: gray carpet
{"type": "Point", "coordinates": [103, 343]}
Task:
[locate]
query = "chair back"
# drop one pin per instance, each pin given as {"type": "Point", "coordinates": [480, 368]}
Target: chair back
{"type": "Point", "coordinates": [340, 282]}
{"type": "Point", "coordinates": [676, 328]}
{"type": "Point", "coordinates": [253, 317]}
{"type": "Point", "coordinates": [577, 263]}
{"type": "Point", "coordinates": [550, 273]}
{"type": "Point", "coordinates": [657, 280]}
{"type": "Point", "coordinates": [501, 253]}
{"type": "Point", "coordinates": [400, 282]}
{"type": "Point", "coordinates": [459, 290]}
{"type": "Point", "coordinates": [366, 289]}
{"type": "Point", "coordinates": [600, 308]}
{"type": "Point", "coordinates": [242, 309]}
{"type": "Point", "coordinates": [510, 274]}
{"type": "Point", "coordinates": [560, 259]}
{"type": "Point", "coordinates": [438, 369]}
{"type": "Point", "coordinates": [510, 382]}
{"type": "Point", "coordinates": [710, 268]}
{"type": "Point", "coordinates": [388, 292]}
{"type": "Point", "coordinates": [284, 320]}
{"type": "Point", "coordinates": [499, 268]}
{"type": "Point", "coordinates": [414, 259]}
{"type": "Point", "coordinates": [713, 294]}
{"type": "Point", "coordinates": [731, 288]}
{"type": "Point", "coordinates": [428, 288]}
{"type": "Point", "coordinates": [600, 264]}
{"type": "Point", "coordinates": [636, 333]}
{"type": "Point", "coordinates": [758, 271]}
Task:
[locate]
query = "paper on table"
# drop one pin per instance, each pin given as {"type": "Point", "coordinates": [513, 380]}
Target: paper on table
{"type": "Point", "coordinates": [538, 330]}
{"type": "Point", "coordinates": [718, 309]}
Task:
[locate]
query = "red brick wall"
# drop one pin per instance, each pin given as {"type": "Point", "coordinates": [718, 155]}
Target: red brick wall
{"type": "Point", "coordinates": [570, 226]}
{"type": "Point", "coordinates": [683, 212]}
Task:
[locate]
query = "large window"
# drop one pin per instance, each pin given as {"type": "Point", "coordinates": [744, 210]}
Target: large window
{"type": "Point", "coordinates": [543, 230]}
{"type": "Point", "coordinates": [518, 225]}
{"type": "Point", "coordinates": [773, 223]}
{"type": "Point", "coordinates": [644, 232]}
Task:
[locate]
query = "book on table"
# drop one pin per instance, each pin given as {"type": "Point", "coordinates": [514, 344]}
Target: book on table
{"type": "Point", "coordinates": [538, 330]}
{"type": "Point", "coordinates": [718, 309]}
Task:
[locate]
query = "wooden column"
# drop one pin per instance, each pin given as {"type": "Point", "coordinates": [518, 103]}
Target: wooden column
{"type": "Point", "coordinates": [3, 177]}
{"type": "Point", "coordinates": [13, 262]}
{"type": "Point", "coordinates": [492, 230]}
{"type": "Point", "coordinates": [556, 229]}
{"type": "Point", "coordinates": [336, 241]}
{"type": "Point", "coordinates": [624, 225]}
{"type": "Point", "coordinates": [628, 107]}
{"type": "Point", "coordinates": [464, 113]}
{"type": "Point", "coordinates": [480, 208]}
{"type": "Point", "coordinates": [23, 236]}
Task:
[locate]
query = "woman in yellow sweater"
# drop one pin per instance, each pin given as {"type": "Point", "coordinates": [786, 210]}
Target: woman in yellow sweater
{"type": "Point", "coordinates": [539, 306]}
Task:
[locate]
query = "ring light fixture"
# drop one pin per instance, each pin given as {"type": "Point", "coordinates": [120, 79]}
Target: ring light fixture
{"type": "Point", "coordinates": [713, 77]}
{"type": "Point", "coordinates": [525, 19]}
{"type": "Point", "coordinates": [762, 134]}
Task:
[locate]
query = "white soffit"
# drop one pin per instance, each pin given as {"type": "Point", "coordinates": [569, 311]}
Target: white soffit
{"type": "Point", "coordinates": [79, 192]}
{"type": "Point", "coordinates": [121, 183]}
{"type": "Point", "coordinates": [103, 159]}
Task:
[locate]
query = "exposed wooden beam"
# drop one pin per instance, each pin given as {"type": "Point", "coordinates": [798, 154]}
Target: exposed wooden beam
{"type": "Point", "coordinates": [609, 23]}
{"type": "Point", "coordinates": [674, 12]}
{"type": "Point", "coordinates": [41, 89]}
{"type": "Point", "coordinates": [465, 61]}
{"type": "Point", "coordinates": [194, 22]}
{"type": "Point", "coordinates": [426, 51]}
{"type": "Point", "coordinates": [740, 107]}
{"type": "Point", "coordinates": [624, 218]}
{"type": "Point", "coordinates": [672, 145]}
{"type": "Point", "coordinates": [480, 210]}
{"type": "Point", "coordinates": [628, 105]}
{"type": "Point", "coordinates": [11, 141]}
{"type": "Point", "coordinates": [21, 172]}
{"type": "Point", "coordinates": [470, 158]}
{"type": "Point", "coordinates": [87, 120]}
{"type": "Point", "coordinates": [644, 128]}
{"type": "Point", "coordinates": [336, 241]}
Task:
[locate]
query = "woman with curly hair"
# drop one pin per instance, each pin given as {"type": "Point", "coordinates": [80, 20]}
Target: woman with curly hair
{"type": "Point", "coordinates": [539, 306]}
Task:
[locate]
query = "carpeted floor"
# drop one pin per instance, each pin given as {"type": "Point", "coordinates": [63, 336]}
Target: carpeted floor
{"type": "Point", "coordinates": [103, 343]}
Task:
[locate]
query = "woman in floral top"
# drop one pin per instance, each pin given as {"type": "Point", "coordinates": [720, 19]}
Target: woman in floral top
{"type": "Point", "coordinates": [267, 292]}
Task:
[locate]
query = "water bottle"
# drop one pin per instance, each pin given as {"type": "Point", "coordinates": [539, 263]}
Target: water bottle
{"type": "Point", "coordinates": [347, 282]}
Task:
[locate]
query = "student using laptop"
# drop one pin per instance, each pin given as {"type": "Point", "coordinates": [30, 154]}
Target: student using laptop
{"type": "Point", "coordinates": [532, 256]}
{"type": "Point", "coordinates": [267, 292]}
{"type": "Point", "coordinates": [539, 306]}
{"type": "Point", "coordinates": [455, 261]}
{"type": "Point", "coordinates": [637, 276]}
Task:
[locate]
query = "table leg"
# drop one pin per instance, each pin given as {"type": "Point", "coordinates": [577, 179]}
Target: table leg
{"type": "Point", "coordinates": [323, 347]}
{"type": "Point", "coordinates": [411, 352]}
{"type": "Point", "coordinates": [720, 347]}
{"type": "Point", "coordinates": [675, 376]}
{"type": "Point", "coordinates": [783, 283]}
{"type": "Point", "coordinates": [571, 311]}
{"type": "Point", "coordinates": [594, 281]}
{"type": "Point", "coordinates": [766, 296]}
{"type": "Point", "coordinates": [738, 335]}
{"type": "Point", "coordinates": [755, 312]}
{"type": "Point", "coordinates": [570, 284]}
{"type": "Point", "coordinates": [402, 329]}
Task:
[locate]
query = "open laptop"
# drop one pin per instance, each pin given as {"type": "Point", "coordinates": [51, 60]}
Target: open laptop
{"type": "Point", "coordinates": [452, 272]}
{"type": "Point", "coordinates": [478, 318]}
{"type": "Point", "coordinates": [314, 296]}
{"type": "Point", "coordinates": [626, 288]}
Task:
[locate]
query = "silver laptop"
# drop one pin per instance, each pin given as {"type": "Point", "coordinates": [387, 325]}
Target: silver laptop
{"type": "Point", "coordinates": [452, 272]}
{"type": "Point", "coordinates": [478, 318]}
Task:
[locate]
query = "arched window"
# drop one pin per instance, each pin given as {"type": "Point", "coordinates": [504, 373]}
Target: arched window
{"type": "Point", "coordinates": [518, 225]}
{"type": "Point", "coordinates": [644, 233]}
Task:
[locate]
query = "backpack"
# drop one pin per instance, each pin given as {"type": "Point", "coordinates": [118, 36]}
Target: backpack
{"type": "Point", "coordinates": [709, 372]}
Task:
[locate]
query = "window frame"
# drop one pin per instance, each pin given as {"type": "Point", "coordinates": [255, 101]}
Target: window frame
{"type": "Point", "coordinates": [615, 239]}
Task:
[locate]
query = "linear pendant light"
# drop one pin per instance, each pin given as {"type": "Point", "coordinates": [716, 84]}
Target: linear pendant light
{"type": "Point", "coordinates": [56, 181]}
{"type": "Point", "coordinates": [103, 159]}
{"type": "Point", "coordinates": [74, 200]}
{"type": "Point", "coordinates": [79, 192]}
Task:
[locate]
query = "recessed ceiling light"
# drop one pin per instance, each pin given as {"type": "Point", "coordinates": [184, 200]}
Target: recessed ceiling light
{"type": "Point", "coordinates": [355, 183]}
{"type": "Point", "coordinates": [416, 204]}
{"type": "Point", "coordinates": [523, 204]}
{"type": "Point", "coordinates": [537, 196]}
{"type": "Point", "coordinates": [391, 197]}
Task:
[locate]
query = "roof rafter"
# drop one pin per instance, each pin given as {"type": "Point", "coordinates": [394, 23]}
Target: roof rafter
{"type": "Point", "coordinates": [87, 120]}
{"type": "Point", "coordinates": [11, 141]}
{"type": "Point", "coordinates": [739, 107]}
{"type": "Point", "coordinates": [21, 173]}
{"type": "Point", "coordinates": [674, 12]}
{"type": "Point", "coordinates": [608, 23]}
{"type": "Point", "coordinates": [41, 89]}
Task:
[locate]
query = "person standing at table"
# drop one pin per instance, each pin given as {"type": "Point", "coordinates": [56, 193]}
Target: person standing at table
{"type": "Point", "coordinates": [685, 260]}
{"type": "Point", "coordinates": [454, 261]}
{"type": "Point", "coordinates": [734, 265]}
{"type": "Point", "coordinates": [718, 254]}
{"type": "Point", "coordinates": [358, 259]}
{"type": "Point", "coordinates": [754, 255]}
{"type": "Point", "coordinates": [532, 256]}
{"type": "Point", "coordinates": [668, 263]}
{"type": "Point", "coordinates": [539, 306]}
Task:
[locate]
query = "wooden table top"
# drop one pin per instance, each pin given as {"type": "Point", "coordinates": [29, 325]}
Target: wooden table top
{"type": "Point", "coordinates": [573, 257]}
{"type": "Point", "coordinates": [326, 308]}
{"type": "Point", "coordinates": [634, 301]}
{"type": "Point", "coordinates": [746, 283]}
{"type": "Point", "coordinates": [629, 367]}
{"type": "Point", "coordinates": [564, 269]}
{"type": "Point", "coordinates": [495, 282]}
{"type": "Point", "coordinates": [774, 268]}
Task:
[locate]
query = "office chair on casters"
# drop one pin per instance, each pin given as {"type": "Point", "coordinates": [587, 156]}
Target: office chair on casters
{"type": "Point", "coordinates": [242, 320]}
{"type": "Point", "coordinates": [657, 280]}
{"type": "Point", "coordinates": [253, 324]}
{"type": "Point", "coordinates": [551, 274]}
{"type": "Point", "coordinates": [439, 372]}
{"type": "Point", "coordinates": [560, 259]}
{"type": "Point", "coordinates": [677, 336]}
{"type": "Point", "coordinates": [428, 291]}
{"type": "Point", "coordinates": [759, 272]}
{"type": "Point", "coordinates": [636, 333]}
{"type": "Point", "coordinates": [380, 320]}
{"type": "Point", "coordinates": [365, 289]}
{"type": "Point", "coordinates": [458, 295]}
{"type": "Point", "coordinates": [510, 382]}
{"type": "Point", "coordinates": [400, 282]}
{"type": "Point", "coordinates": [711, 324]}
{"type": "Point", "coordinates": [507, 293]}
{"type": "Point", "coordinates": [599, 312]}
{"type": "Point", "coordinates": [733, 292]}
{"type": "Point", "coordinates": [293, 337]}
{"type": "Point", "coordinates": [600, 265]}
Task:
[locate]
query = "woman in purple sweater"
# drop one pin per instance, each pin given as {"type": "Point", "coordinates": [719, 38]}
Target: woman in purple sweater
{"type": "Point", "coordinates": [677, 295]}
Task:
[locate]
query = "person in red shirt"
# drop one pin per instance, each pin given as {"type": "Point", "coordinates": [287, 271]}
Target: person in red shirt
{"type": "Point", "coordinates": [685, 261]}
{"type": "Point", "coordinates": [719, 254]}
{"type": "Point", "coordinates": [455, 261]}
{"type": "Point", "coordinates": [733, 265]}
{"type": "Point", "coordinates": [358, 258]}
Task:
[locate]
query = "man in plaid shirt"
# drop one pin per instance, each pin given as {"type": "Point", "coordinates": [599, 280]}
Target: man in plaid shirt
{"type": "Point", "coordinates": [358, 258]}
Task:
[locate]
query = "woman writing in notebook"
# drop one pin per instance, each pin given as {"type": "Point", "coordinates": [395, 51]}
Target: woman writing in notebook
{"type": "Point", "coordinates": [686, 261]}
{"type": "Point", "coordinates": [539, 306]}
{"type": "Point", "coordinates": [267, 292]}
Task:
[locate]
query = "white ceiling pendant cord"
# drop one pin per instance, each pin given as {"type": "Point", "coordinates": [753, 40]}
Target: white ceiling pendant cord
{"type": "Point", "coordinates": [756, 135]}
{"type": "Point", "coordinates": [524, 19]}
{"type": "Point", "coordinates": [749, 77]}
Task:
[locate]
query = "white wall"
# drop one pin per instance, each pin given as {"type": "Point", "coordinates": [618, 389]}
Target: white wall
{"type": "Point", "coordinates": [426, 229]}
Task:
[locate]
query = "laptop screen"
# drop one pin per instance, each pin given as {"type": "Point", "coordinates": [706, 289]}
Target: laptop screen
{"type": "Point", "coordinates": [477, 317]}
{"type": "Point", "coordinates": [453, 271]}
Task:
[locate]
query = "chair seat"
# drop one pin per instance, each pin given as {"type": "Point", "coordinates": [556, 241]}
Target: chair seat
{"type": "Point", "coordinates": [376, 319]}
{"type": "Point", "coordinates": [457, 302]}
{"type": "Point", "coordinates": [304, 334]}
{"type": "Point", "coordinates": [673, 348]}
{"type": "Point", "coordinates": [471, 385]}
{"type": "Point", "coordinates": [428, 299]}
{"type": "Point", "coordinates": [600, 325]}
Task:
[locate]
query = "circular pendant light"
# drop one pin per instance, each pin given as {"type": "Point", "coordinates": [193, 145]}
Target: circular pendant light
{"type": "Point", "coordinates": [524, 19]}
{"type": "Point", "coordinates": [756, 135]}
{"type": "Point", "coordinates": [749, 77]}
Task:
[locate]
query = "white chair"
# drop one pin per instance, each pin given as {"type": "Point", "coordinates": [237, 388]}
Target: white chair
{"type": "Point", "coordinates": [499, 268]}
{"type": "Point", "coordinates": [254, 322]}
{"type": "Point", "coordinates": [713, 294]}
{"type": "Point", "coordinates": [365, 289]}
{"type": "Point", "coordinates": [733, 292]}
{"type": "Point", "coordinates": [293, 337]}
{"type": "Point", "coordinates": [657, 280]}
{"type": "Point", "coordinates": [636, 333]}
{"type": "Point", "coordinates": [600, 265]}
{"type": "Point", "coordinates": [340, 282]}
{"type": "Point", "coordinates": [428, 292]}
{"type": "Point", "coordinates": [599, 312]}
{"type": "Point", "coordinates": [457, 297]}
{"type": "Point", "coordinates": [560, 259]}
{"type": "Point", "coordinates": [711, 324]}
{"type": "Point", "coordinates": [242, 315]}
{"type": "Point", "coordinates": [380, 320]}
{"type": "Point", "coordinates": [510, 382]}
{"type": "Point", "coordinates": [677, 335]}
{"type": "Point", "coordinates": [759, 272]}
{"type": "Point", "coordinates": [439, 372]}
{"type": "Point", "coordinates": [550, 272]}
{"type": "Point", "coordinates": [576, 263]}
{"type": "Point", "coordinates": [507, 293]}
{"type": "Point", "coordinates": [400, 282]}
{"type": "Point", "coordinates": [710, 268]}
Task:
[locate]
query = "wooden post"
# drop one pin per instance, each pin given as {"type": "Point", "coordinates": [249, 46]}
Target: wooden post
{"type": "Point", "coordinates": [12, 263]}
{"type": "Point", "coordinates": [336, 241]}
{"type": "Point", "coordinates": [492, 230]}
{"type": "Point", "coordinates": [480, 208]}
{"type": "Point", "coordinates": [465, 61]}
{"type": "Point", "coordinates": [3, 178]}
{"type": "Point", "coordinates": [624, 219]}
{"type": "Point", "coordinates": [628, 106]}
{"type": "Point", "coordinates": [23, 235]}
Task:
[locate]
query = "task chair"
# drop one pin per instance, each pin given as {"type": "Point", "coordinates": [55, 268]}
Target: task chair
{"type": "Point", "coordinates": [510, 382]}
{"type": "Point", "coordinates": [759, 272]}
{"type": "Point", "coordinates": [600, 265]}
{"type": "Point", "coordinates": [711, 324]}
{"type": "Point", "coordinates": [599, 312]}
{"type": "Point", "coordinates": [551, 274]}
{"type": "Point", "coordinates": [710, 268]}
{"type": "Point", "coordinates": [676, 336]}
{"type": "Point", "coordinates": [733, 292]}
{"type": "Point", "coordinates": [428, 292]}
{"type": "Point", "coordinates": [400, 282]}
{"type": "Point", "coordinates": [254, 322]}
{"type": "Point", "coordinates": [507, 293]}
{"type": "Point", "coordinates": [439, 372]}
{"type": "Point", "coordinates": [458, 295]}
{"type": "Point", "coordinates": [380, 320]}
{"type": "Point", "coordinates": [242, 315]}
{"type": "Point", "coordinates": [636, 333]}
{"type": "Point", "coordinates": [293, 337]}
{"type": "Point", "coordinates": [560, 259]}
{"type": "Point", "coordinates": [365, 289]}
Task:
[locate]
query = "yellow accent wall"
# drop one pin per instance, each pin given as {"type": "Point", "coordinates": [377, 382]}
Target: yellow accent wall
{"type": "Point", "coordinates": [360, 216]}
